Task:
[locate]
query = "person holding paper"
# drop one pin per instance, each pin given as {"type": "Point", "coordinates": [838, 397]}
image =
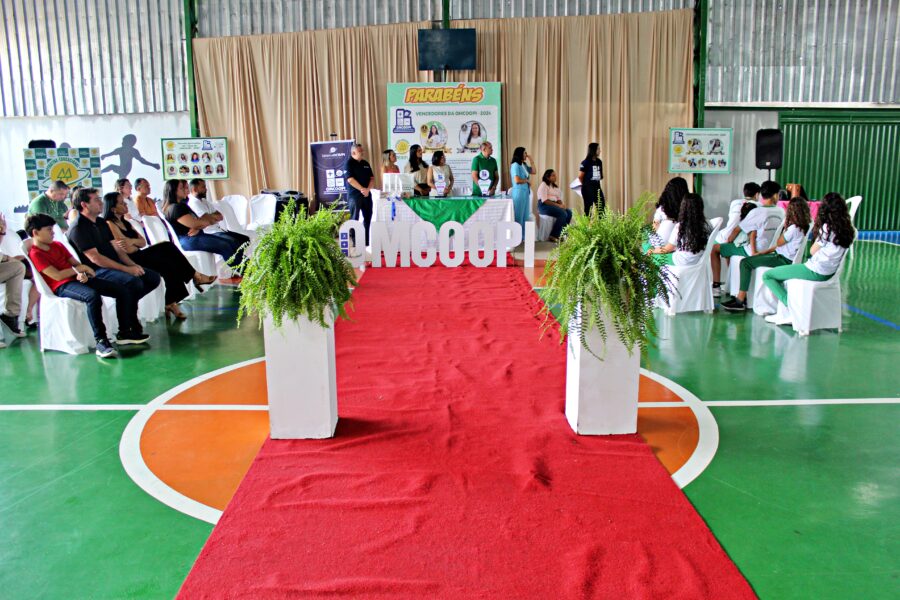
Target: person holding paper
{"type": "Point", "coordinates": [484, 172]}
{"type": "Point", "coordinates": [440, 177]}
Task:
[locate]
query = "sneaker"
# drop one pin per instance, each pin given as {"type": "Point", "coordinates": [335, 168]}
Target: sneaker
{"type": "Point", "coordinates": [31, 325]}
{"type": "Point", "coordinates": [105, 350]}
{"type": "Point", "coordinates": [775, 319]}
{"type": "Point", "coordinates": [734, 305]}
{"type": "Point", "coordinates": [126, 338]}
{"type": "Point", "coordinates": [13, 324]}
{"type": "Point", "coordinates": [717, 291]}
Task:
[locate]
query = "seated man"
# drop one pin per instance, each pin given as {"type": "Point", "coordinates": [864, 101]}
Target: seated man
{"type": "Point", "coordinates": [68, 278]}
{"type": "Point", "coordinates": [201, 206]}
{"type": "Point", "coordinates": [93, 240]}
{"type": "Point", "coordinates": [53, 203]}
{"type": "Point", "coordinates": [12, 273]}
{"type": "Point", "coordinates": [754, 225]}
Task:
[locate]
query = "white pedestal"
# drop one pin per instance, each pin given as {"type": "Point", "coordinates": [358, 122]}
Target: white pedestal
{"type": "Point", "coordinates": [601, 395]}
{"type": "Point", "coordinates": [301, 380]}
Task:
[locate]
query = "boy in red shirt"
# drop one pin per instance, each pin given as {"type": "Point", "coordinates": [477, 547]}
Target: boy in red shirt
{"type": "Point", "coordinates": [67, 277]}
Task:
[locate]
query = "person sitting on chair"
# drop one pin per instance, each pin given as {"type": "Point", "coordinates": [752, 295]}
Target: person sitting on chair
{"type": "Point", "coordinates": [201, 206]}
{"type": "Point", "coordinates": [190, 228]}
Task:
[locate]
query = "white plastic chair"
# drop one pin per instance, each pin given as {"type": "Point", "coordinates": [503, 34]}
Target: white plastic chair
{"type": "Point", "coordinates": [765, 302]}
{"type": "Point", "coordinates": [64, 325]}
{"type": "Point", "coordinates": [159, 230]}
{"type": "Point", "coordinates": [814, 304]}
{"type": "Point", "coordinates": [690, 288]}
{"type": "Point", "coordinates": [10, 247]}
{"type": "Point", "coordinates": [240, 206]}
{"type": "Point", "coordinates": [262, 211]}
{"type": "Point", "coordinates": [734, 275]}
{"type": "Point", "coordinates": [853, 206]}
{"type": "Point", "coordinates": [232, 223]}
{"type": "Point", "coordinates": [545, 225]}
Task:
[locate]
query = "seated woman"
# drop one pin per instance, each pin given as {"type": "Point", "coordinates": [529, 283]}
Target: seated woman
{"type": "Point", "coordinates": [389, 162]}
{"type": "Point", "coordinates": [689, 236]}
{"type": "Point", "coordinates": [439, 173]}
{"type": "Point", "coordinates": [146, 206]}
{"type": "Point", "coordinates": [796, 224]}
{"type": "Point", "coordinates": [189, 227]}
{"type": "Point", "coordinates": [833, 233]}
{"type": "Point", "coordinates": [550, 204]}
{"type": "Point", "coordinates": [419, 169]}
{"type": "Point", "coordinates": [667, 208]}
{"type": "Point", "coordinates": [164, 258]}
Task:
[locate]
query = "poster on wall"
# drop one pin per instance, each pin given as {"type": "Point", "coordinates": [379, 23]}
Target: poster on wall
{"type": "Point", "coordinates": [693, 150]}
{"type": "Point", "coordinates": [328, 162]}
{"type": "Point", "coordinates": [187, 158]}
{"type": "Point", "coordinates": [75, 166]}
{"type": "Point", "coordinates": [452, 117]}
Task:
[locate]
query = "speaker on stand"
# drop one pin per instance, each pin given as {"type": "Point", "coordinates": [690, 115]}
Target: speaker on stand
{"type": "Point", "coordinates": [769, 149]}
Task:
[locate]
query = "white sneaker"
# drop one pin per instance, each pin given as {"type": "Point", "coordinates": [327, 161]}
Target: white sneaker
{"type": "Point", "coordinates": [775, 319]}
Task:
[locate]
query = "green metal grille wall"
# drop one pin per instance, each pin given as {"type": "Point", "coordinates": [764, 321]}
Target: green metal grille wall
{"type": "Point", "coordinates": [849, 152]}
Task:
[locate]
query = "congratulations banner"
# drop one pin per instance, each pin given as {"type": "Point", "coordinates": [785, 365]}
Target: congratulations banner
{"type": "Point", "coordinates": [453, 117]}
{"type": "Point", "coordinates": [74, 166]}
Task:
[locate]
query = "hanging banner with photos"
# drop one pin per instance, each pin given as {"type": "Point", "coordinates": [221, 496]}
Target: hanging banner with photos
{"type": "Point", "coordinates": [452, 117]}
{"type": "Point", "coordinates": [693, 150]}
{"type": "Point", "coordinates": [74, 166]}
{"type": "Point", "coordinates": [187, 158]}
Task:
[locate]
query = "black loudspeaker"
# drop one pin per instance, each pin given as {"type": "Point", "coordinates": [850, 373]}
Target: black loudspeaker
{"type": "Point", "coordinates": [42, 144]}
{"type": "Point", "coordinates": [769, 148]}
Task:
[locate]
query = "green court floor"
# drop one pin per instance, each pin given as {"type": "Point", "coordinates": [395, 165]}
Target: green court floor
{"type": "Point", "coordinates": [805, 496]}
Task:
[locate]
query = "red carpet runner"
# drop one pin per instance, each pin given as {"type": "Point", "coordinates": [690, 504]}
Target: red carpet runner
{"type": "Point", "coordinates": [453, 473]}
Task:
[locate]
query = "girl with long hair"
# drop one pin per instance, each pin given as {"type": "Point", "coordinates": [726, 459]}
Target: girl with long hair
{"type": "Point", "coordinates": [164, 258]}
{"type": "Point", "coordinates": [419, 169]}
{"type": "Point", "coordinates": [833, 233]}
{"type": "Point", "coordinates": [550, 204]}
{"type": "Point", "coordinates": [189, 227]}
{"type": "Point", "coordinates": [795, 230]}
{"type": "Point", "coordinates": [590, 173]}
{"type": "Point", "coordinates": [440, 172]}
{"type": "Point", "coordinates": [520, 171]}
{"type": "Point", "coordinates": [689, 236]}
{"type": "Point", "coordinates": [667, 209]}
{"type": "Point", "coordinates": [389, 162]}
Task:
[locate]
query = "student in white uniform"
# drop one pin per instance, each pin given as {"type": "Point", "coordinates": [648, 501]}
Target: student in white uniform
{"type": "Point", "coordinates": [689, 236]}
{"type": "Point", "coordinates": [754, 225]}
{"type": "Point", "coordinates": [751, 190]}
{"type": "Point", "coordinates": [796, 225]}
{"type": "Point", "coordinates": [667, 209]}
{"type": "Point", "coordinates": [833, 233]}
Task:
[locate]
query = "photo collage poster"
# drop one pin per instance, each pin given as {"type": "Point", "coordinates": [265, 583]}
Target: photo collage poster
{"type": "Point", "coordinates": [189, 158]}
{"type": "Point", "coordinates": [693, 150]}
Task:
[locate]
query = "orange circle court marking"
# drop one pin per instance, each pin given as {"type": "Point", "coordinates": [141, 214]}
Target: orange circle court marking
{"type": "Point", "coordinates": [202, 452]}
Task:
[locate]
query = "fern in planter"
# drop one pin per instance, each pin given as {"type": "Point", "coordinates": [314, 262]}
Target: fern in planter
{"type": "Point", "coordinates": [297, 270]}
{"type": "Point", "coordinates": [599, 268]}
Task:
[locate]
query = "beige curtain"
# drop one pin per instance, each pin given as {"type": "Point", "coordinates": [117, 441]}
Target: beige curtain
{"type": "Point", "coordinates": [271, 95]}
{"type": "Point", "coordinates": [620, 80]}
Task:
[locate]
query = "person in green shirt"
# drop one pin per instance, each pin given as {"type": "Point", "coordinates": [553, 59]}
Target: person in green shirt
{"type": "Point", "coordinates": [484, 164]}
{"type": "Point", "coordinates": [53, 203]}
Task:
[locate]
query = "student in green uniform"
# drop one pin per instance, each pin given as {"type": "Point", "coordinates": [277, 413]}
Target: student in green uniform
{"type": "Point", "coordinates": [484, 166]}
{"type": "Point", "coordinates": [53, 203]}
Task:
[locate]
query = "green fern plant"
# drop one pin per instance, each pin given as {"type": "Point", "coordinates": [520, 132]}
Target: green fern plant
{"type": "Point", "coordinates": [599, 267]}
{"type": "Point", "coordinates": [297, 269]}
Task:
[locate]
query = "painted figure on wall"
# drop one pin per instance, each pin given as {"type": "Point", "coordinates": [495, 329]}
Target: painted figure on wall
{"type": "Point", "coordinates": [127, 153]}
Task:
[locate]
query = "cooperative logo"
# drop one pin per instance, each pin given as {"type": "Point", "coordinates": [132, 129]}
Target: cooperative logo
{"type": "Point", "coordinates": [403, 121]}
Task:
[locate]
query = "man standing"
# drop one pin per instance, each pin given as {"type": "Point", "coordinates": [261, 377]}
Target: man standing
{"type": "Point", "coordinates": [484, 172]}
{"type": "Point", "coordinates": [93, 240]}
{"type": "Point", "coordinates": [53, 203]}
{"type": "Point", "coordinates": [359, 179]}
{"type": "Point", "coordinates": [201, 206]}
{"type": "Point", "coordinates": [12, 273]}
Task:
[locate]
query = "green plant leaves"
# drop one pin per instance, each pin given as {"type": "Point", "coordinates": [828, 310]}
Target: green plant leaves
{"type": "Point", "coordinates": [297, 270]}
{"type": "Point", "coordinates": [600, 269]}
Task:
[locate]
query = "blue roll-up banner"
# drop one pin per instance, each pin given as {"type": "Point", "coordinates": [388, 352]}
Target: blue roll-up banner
{"type": "Point", "coordinates": [329, 160]}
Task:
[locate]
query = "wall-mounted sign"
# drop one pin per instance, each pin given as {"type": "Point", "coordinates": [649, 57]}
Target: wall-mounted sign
{"type": "Point", "coordinates": [187, 158]}
{"type": "Point", "coordinates": [74, 166]}
{"type": "Point", "coordinates": [700, 150]}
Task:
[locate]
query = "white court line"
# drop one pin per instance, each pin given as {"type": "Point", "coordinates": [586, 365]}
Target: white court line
{"type": "Point", "coordinates": [97, 407]}
{"type": "Point", "coordinates": [881, 242]}
{"type": "Point", "coordinates": [832, 401]}
{"type": "Point", "coordinates": [140, 473]}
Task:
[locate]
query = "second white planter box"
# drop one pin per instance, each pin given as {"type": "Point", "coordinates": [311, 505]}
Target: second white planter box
{"type": "Point", "coordinates": [601, 395]}
{"type": "Point", "coordinates": [301, 380]}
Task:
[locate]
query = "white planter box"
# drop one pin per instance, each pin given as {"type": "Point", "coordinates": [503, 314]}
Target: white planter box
{"type": "Point", "coordinates": [301, 380]}
{"type": "Point", "coordinates": [601, 395]}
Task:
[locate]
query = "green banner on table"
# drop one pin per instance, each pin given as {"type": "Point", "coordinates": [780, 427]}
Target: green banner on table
{"type": "Point", "coordinates": [440, 211]}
